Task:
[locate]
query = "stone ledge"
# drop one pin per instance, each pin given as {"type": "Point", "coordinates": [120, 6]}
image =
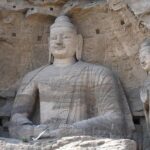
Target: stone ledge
{"type": "Point", "coordinates": [70, 143]}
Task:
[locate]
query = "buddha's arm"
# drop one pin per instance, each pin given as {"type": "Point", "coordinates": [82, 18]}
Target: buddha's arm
{"type": "Point", "coordinates": [104, 92]}
{"type": "Point", "coordinates": [24, 102]}
{"type": "Point", "coordinates": [21, 126]}
{"type": "Point", "coordinates": [102, 122]}
{"type": "Point", "coordinates": [107, 113]}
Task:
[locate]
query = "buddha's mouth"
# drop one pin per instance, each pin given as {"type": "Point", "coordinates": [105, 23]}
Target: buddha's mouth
{"type": "Point", "coordinates": [59, 48]}
{"type": "Point", "coordinates": [60, 51]}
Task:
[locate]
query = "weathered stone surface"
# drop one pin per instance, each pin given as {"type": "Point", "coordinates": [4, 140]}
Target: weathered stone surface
{"type": "Point", "coordinates": [70, 143]}
{"type": "Point", "coordinates": [144, 56]}
{"type": "Point", "coordinates": [81, 143]}
{"type": "Point", "coordinates": [41, 2]}
{"type": "Point", "coordinates": [52, 11]}
{"type": "Point", "coordinates": [5, 110]}
{"type": "Point", "coordinates": [25, 40]}
{"type": "Point", "coordinates": [139, 7]}
{"type": "Point", "coordinates": [117, 31]}
{"type": "Point", "coordinates": [75, 97]}
{"type": "Point", "coordinates": [142, 10]}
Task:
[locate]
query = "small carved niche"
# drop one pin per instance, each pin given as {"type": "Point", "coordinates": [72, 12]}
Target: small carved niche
{"type": "Point", "coordinates": [51, 8]}
{"type": "Point", "coordinates": [136, 120]}
{"type": "Point", "coordinates": [1, 124]}
{"type": "Point", "coordinates": [39, 38]}
{"type": "Point", "coordinates": [13, 34]}
{"type": "Point", "coordinates": [122, 22]}
{"type": "Point", "coordinates": [97, 31]}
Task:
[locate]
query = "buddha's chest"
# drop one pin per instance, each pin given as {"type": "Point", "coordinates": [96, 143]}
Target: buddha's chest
{"type": "Point", "coordinates": [62, 96]}
{"type": "Point", "coordinates": [62, 86]}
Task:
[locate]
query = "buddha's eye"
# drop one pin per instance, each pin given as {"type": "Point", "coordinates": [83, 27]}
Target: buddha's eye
{"type": "Point", "coordinates": [66, 37]}
{"type": "Point", "coordinates": [53, 38]}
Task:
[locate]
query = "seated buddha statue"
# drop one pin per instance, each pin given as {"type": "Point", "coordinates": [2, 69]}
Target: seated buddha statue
{"type": "Point", "coordinates": [75, 97]}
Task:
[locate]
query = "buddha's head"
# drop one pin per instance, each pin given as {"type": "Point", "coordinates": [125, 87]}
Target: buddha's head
{"type": "Point", "coordinates": [144, 55]}
{"type": "Point", "coordinates": [64, 40]}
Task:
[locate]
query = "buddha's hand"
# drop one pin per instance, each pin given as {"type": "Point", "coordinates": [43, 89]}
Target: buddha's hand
{"type": "Point", "coordinates": [144, 95]}
{"type": "Point", "coordinates": [41, 130]}
{"type": "Point", "coordinates": [65, 130]}
{"type": "Point", "coordinates": [27, 132]}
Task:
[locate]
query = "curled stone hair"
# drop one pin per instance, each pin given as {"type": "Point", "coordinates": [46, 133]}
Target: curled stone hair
{"type": "Point", "coordinates": [145, 45]}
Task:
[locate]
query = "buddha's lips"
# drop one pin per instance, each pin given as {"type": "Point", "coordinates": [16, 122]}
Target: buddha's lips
{"type": "Point", "coordinates": [59, 48]}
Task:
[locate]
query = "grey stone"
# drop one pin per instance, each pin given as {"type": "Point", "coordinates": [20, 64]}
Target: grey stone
{"type": "Point", "coordinates": [144, 56]}
{"type": "Point", "coordinates": [76, 98]}
{"type": "Point", "coordinates": [70, 143]}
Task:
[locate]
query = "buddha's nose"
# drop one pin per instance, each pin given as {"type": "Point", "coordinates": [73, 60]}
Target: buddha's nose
{"type": "Point", "coordinates": [59, 40]}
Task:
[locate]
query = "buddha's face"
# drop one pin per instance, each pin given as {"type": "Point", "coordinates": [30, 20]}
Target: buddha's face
{"type": "Point", "coordinates": [145, 59]}
{"type": "Point", "coordinates": [63, 42]}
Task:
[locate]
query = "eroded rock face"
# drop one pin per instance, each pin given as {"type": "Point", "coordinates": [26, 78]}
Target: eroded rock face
{"type": "Point", "coordinates": [74, 96]}
{"type": "Point", "coordinates": [71, 143]}
{"type": "Point", "coordinates": [74, 143]}
{"type": "Point", "coordinates": [117, 31]}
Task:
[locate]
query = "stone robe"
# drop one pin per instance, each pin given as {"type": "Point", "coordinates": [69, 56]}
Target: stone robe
{"type": "Point", "coordinates": [85, 95]}
{"type": "Point", "coordinates": [145, 90]}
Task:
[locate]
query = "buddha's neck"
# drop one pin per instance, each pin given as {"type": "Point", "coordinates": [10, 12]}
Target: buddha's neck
{"type": "Point", "coordinates": [64, 62]}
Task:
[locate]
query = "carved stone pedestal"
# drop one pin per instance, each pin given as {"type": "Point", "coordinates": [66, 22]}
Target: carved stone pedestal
{"type": "Point", "coordinates": [70, 143]}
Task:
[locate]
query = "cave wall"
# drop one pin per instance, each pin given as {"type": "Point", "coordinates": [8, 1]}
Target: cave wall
{"type": "Point", "coordinates": [112, 31]}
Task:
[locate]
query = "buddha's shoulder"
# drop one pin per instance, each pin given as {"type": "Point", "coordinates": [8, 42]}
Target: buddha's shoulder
{"type": "Point", "coordinates": [34, 73]}
{"type": "Point", "coordinates": [95, 67]}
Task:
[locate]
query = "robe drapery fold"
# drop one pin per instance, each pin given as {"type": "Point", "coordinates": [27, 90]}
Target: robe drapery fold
{"type": "Point", "coordinates": [84, 95]}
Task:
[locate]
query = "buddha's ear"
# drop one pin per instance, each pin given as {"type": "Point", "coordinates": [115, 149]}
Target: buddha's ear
{"type": "Point", "coordinates": [50, 59]}
{"type": "Point", "coordinates": [79, 47]}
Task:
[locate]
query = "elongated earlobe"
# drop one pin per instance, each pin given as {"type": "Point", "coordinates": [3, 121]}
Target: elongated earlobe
{"type": "Point", "coordinates": [50, 61]}
{"type": "Point", "coordinates": [79, 47]}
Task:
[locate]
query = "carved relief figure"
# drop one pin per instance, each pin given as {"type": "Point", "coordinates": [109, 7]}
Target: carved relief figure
{"type": "Point", "coordinates": [75, 97]}
{"type": "Point", "coordinates": [144, 55]}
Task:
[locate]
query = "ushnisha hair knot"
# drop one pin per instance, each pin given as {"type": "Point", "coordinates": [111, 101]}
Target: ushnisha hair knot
{"type": "Point", "coordinates": [62, 21]}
